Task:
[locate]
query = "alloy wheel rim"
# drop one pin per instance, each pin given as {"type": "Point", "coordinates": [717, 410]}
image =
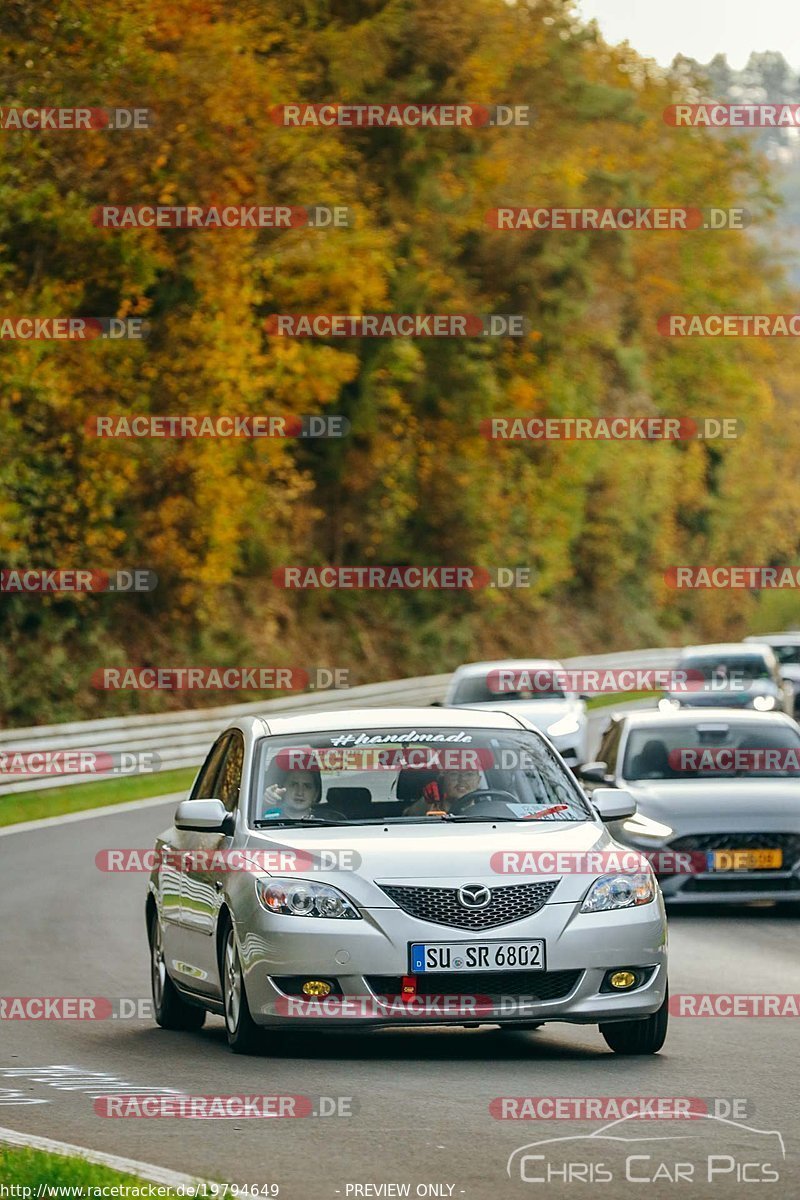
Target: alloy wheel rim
{"type": "Point", "coordinates": [159, 969]}
{"type": "Point", "coordinates": [233, 983]}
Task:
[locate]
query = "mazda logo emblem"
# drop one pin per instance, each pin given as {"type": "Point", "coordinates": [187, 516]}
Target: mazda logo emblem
{"type": "Point", "coordinates": [474, 895]}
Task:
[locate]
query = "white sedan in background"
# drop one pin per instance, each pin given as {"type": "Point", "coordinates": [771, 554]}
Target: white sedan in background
{"type": "Point", "coordinates": [526, 687]}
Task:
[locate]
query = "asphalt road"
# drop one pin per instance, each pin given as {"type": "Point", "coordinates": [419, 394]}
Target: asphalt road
{"type": "Point", "coordinates": [419, 1099]}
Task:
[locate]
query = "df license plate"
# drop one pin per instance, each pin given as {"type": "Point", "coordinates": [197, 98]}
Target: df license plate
{"type": "Point", "coordinates": [475, 956]}
{"type": "Point", "coordinates": [745, 860]}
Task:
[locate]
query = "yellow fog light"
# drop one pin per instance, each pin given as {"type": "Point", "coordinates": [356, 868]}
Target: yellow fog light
{"type": "Point", "coordinates": [316, 987]}
{"type": "Point", "coordinates": [622, 979]}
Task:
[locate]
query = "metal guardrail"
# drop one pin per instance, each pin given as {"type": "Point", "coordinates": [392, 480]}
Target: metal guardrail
{"type": "Point", "coordinates": [182, 739]}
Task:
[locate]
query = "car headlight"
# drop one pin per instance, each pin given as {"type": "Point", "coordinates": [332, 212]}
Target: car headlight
{"type": "Point", "coordinates": [763, 703]}
{"type": "Point", "coordinates": [620, 891]}
{"type": "Point", "coordinates": [301, 898]}
{"type": "Point", "coordinates": [666, 704]}
{"type": "Point", "coordinates": [567, 724]}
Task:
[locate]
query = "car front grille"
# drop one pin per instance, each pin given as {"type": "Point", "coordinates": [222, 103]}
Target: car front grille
{"type": "Point", "coordinates": [789, 843]}
{"type": "Point", "coordinates": [441, 905]}
{"type": "Point", "coordinates": [533, 985]}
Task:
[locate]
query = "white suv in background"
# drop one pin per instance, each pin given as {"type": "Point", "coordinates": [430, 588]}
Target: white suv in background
{"type": "Point", "coordinates": [558, 713]}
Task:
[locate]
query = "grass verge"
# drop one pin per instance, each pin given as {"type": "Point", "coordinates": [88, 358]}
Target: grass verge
{"type": "Point", "coordinates": [32, 1169]}
{"type": "Point", "coordinates": [609, 699]}
{"type": "Point", "coordinates": [54, 802]}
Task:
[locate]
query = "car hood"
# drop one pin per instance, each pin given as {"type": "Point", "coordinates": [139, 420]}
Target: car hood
{"type": "Point", "coordinates": [441, 854]}
{"type": "Point", "coordinates": [541, 713]}
{"type": "Point", "coordinates": [720, 805]}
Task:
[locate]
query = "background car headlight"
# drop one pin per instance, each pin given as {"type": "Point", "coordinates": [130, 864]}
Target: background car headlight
{"type": "Point", "coordinates": [620, 891]}
{"type": "Point", "coordinates": [667, 704]}
{"type": "Point", "coordinates": [301, 898]}
{"type": "Point", "coordinates": [567, 724]}
{"type": "Point", "coordinates": [763, 703]}
{"type": "Point", "coordinates": [640, 826]}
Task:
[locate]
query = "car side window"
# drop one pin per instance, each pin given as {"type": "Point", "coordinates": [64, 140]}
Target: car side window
{"type": "Point", "coordinates": [609, 746]}
{"type": "Point", "coordinates": [229, 779]}
{"type": "Point", "coordinates": [206, 780]}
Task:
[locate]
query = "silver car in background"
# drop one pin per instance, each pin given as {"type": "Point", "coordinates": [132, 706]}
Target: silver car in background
{"type": "Point", "coordinates": [557, 712]}
{"type": "Point", "coordinates": [717, 796]}
{"type": "Point", "coordinates": [730, 675]}
{"type": "Point", "coordinates": [786, 648]}
{"type": "Point", "coordinates": [319, 877]}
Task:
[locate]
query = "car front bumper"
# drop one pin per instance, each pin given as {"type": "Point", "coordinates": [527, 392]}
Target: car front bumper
{"type": "Point", "coordinates": [358, 957]}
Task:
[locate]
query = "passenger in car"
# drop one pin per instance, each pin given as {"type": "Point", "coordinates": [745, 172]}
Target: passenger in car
{"type": "Point", "coordinates": [442, 792]}
{"type": "Point", "coordinates": [296, 795]}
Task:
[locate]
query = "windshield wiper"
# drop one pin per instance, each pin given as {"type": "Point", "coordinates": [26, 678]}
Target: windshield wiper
{"type": "Point", "coordinates": [282, 822]}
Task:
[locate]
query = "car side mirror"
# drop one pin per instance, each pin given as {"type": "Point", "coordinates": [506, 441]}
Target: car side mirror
{"type": "Point", "coordinates": [613, 804]}
{"type": "Point", "coordinates": [593, 772]}
{"type": "Point", "coordinates": [204, 816]}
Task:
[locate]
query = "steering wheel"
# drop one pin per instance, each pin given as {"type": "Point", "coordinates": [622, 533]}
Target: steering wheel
{"type": "Point", "coordinates": [465, 803]}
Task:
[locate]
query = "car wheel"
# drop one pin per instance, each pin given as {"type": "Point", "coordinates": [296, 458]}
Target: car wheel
{"type": "Point", "coordinates": [170, 1009]}
{"type": "Point", "coordinates": [638, 1037]}
{"type": "Point", "coordinates": [244, 1036]}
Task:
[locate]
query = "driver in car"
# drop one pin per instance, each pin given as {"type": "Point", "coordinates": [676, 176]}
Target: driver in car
{"type": "Point", "coordinates": [441, 793]}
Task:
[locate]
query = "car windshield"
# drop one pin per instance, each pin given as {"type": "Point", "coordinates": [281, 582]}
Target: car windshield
{"type": "Point", "coordinates": [507, 686]}
{"type": "Point", "coordinates": [790, 653]}
{"type": "Point", "coordinates": [698, 750]}
{"type": "Point", "coordinates": [411, 774]}
{"type": "Point", "coordinates": [737, 670]}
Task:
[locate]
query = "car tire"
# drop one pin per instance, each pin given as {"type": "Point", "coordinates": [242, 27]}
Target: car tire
{"type": "Point", "coordinates": [244, 1036]}
{"type": "Point", "coordinates": [171, 1011]}
{"type": "Point", "coordinates": [646, 1036]}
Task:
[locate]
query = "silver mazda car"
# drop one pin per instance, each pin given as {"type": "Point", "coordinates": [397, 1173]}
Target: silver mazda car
{"type": "Point", "coordinates": [413, 866]}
